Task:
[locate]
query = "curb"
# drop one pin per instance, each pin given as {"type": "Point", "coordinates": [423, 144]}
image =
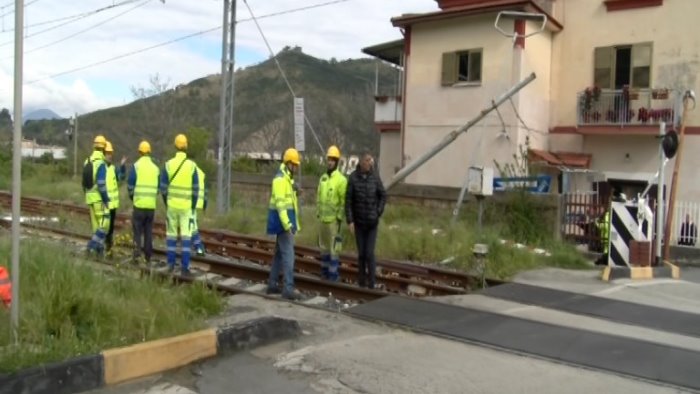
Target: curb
{"type": "Point", "coordinates": [114, 366]}
{"type": "Point", "coordinates": [668, 270]}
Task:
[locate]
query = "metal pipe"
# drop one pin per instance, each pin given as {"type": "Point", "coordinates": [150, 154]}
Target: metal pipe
{"type": "Point", "coordinates": [17, 167]}
{"type": "Point", "coordinates": [449, 138]}
{"type": "Point", "coordinates": [75, 146]}
{"type": "Point", "coordinates": [660, 197]}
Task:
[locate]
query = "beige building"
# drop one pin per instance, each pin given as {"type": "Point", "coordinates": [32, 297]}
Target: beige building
{"type": "Point", "coordinates": [608, 72]}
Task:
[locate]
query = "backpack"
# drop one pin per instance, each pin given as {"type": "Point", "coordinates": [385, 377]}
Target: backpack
{"type": "Point", "coordinates": [88, 181]}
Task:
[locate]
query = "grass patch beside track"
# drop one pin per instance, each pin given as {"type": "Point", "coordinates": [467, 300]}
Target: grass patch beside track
{"type": "Point", "coordinates": [70, 309]}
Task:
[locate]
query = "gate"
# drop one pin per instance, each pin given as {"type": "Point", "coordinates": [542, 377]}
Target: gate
{"type": "Point", "coordinates": [580, 211]}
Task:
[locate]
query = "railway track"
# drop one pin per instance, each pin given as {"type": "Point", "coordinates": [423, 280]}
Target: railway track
{"type": "Point", "coordinates": [393, 277]}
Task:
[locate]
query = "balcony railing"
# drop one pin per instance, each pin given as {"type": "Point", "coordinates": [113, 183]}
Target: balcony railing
{"type": "Point", "coordinates": [634, 107]}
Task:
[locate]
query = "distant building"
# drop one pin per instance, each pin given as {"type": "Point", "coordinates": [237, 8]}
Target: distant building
{"type": "Point", "coordinates": [608, 73]}
{"type": "Point", "coordinates": [30, 148]}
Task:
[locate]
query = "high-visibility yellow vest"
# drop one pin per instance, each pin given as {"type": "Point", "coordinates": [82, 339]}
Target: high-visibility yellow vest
{"type": "Point", "coordinates": [330, 201]}
{"type": "Point", "coordinates": [180, 186]}
{"type": "Point", "coordinates": [112, 186]}
{"type": "Point", "coordinates": [92, 195]}
{"type": "Point", "coordinates": [283, 212]}
{"type": "Point", "coordinates": [146, 188]}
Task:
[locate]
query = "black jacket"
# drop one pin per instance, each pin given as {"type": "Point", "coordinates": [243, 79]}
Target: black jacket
{"type": "Point", "coordinates": [365, 199]}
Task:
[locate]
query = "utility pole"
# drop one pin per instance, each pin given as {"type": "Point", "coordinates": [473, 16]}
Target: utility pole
{"type": "Point", "coordinates": [225, 151]}
{"type": "Point", "coordinates": [660, 198]}
{"type": "Point", "coordinates": [74, 126]}
{"type": "Point", "coordinates": [17, 167]}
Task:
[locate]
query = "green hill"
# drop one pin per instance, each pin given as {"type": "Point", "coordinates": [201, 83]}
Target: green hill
{"type": "Point", "coordinates": [338, 99]}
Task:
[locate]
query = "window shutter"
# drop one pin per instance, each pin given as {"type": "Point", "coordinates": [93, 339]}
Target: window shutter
{"type": "Point", "coordinates": [475, 66]}
{"type": "Point", "coordinates": [449, 68]}
{"type": "Point", "coordinates": [641, 66]}
{"type": "Point", "coordinates": [603, 67]}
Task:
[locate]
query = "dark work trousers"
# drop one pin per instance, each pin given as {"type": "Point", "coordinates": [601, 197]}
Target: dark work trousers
{"type": "Point", "coordinates": [109, 239]}
{"type": "Point", "coordinates": [366, 239]}
{"type": "Point", "coordinates": [142, 225]}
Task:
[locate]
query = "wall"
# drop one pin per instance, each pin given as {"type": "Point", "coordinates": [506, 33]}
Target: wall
{"type": "Point", "coordinates": [388, 111]}
{"type": "Point", "coordinates": [432, 111]}
{"type": "Point", "coordinates": [389, 155]}
{"type": "Point", "coordinates": [671, 27]}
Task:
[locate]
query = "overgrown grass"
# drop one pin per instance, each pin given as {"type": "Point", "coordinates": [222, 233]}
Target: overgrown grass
{"type": "Point", "coordinates": [428, 235]}
{"type": "Point", "coordinates": [71, 309]}
{"type": "Point", "coordinates": [405, 233]}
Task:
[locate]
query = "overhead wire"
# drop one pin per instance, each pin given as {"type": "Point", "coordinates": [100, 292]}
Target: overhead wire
{"type": "Point", "coordinates": [141, 4]}
{"type": "Point", "coordinates": [281, 70]}
{"type": "Point", "coordinates": [13, 11]}
{"type": "Point", "coordinates": [70, 18]}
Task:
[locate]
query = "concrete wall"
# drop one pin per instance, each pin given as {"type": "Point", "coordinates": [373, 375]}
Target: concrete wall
{"type": "Point", "coordinates": [388, 111]}
{"type": "Point", "coordinates": [433, 110]}
{"type": "Point", "coordinates": [671, 28]}
{"type": "Point", "coordinates": [389, 155]}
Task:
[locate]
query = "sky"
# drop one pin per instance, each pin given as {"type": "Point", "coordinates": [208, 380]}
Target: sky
{"type": "Point", "coordinates": [337, 30]}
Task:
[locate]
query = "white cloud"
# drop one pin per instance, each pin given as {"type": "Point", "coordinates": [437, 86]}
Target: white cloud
{"type": "Point", "coordinates": [338, 30]}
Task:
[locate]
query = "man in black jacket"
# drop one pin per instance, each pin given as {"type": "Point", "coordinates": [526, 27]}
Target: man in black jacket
{"type": "Point", "coordinates": [364, 205]}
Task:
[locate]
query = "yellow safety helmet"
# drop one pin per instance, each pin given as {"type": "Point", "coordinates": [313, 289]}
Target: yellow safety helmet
{"type": "Point", "coordinates": [99, 142]}
{"type": "Point", "coordinates": [333, 152]}
{"type": "Point", "coordinates": [181, 141]}
{"type": "Point", "coordinates": [144, 147]}
{"type": "Point", "coordinates": [108, 147]}
{"type": "Point", "coordinates": [292, 155]}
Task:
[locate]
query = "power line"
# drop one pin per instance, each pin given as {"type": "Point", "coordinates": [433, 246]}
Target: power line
{"type": "Point", "coordinates": [72, 18]}
{"type": "Point", "coordinates": [13, 11]}
{"type": "Point", "coordinates": [88, 28]}
{"type": "Point", "coordinates": [174, 40]}
{"type": "Point", "coordinates": [282, 73]}
{"type": "Point", "coordinates": [199, 33]}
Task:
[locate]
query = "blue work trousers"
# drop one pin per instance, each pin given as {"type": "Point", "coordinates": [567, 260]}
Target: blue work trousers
{"type": "Point", "coordinates": [283, 262]}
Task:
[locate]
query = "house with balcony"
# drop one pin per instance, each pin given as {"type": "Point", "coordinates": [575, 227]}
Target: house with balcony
{"type": "Point", "coordinates": [608, 73]}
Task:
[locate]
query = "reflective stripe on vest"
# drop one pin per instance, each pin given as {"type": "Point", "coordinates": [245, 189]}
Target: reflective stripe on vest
{"type": "Point", "coordinates": [200, 197]}
{"type": "Point", "coordinates": [180, 187]}
{"type": "Point", "coordinates": [92, 195]}
{"type": "Point", "coordinates": [112, 187]}
{"type": "Point", "coordinates": [146, 188]}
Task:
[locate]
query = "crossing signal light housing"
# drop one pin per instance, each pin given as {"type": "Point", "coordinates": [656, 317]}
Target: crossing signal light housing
{"type": "Point", "coordinates": [669, 144]}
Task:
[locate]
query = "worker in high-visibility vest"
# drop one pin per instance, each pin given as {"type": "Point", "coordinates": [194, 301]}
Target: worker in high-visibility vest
{"type": "Point", "coordinates": [5, 287]}
{"type": "Point", "coordinates": [202, 202]}
{"type": "Point", "coordinates": [114, 177]}
{"type": "Point", "coordinates": [283, 222]}
{"type": "Point", "coordinates": [179, 185]}
{"type": "Point", "coordinates": [143, 185]}
{"type": "Point", "coordinates": [330, 211]}
{"type": "Point", "coordinates": [96, 196]}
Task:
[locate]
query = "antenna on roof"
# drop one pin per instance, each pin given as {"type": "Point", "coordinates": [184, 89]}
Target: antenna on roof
{"type": "Point", "coordinates": [516, 15]}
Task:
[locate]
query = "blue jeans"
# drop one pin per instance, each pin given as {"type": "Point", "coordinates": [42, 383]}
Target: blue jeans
{"type": "Point", "coordinates": [283, 261]}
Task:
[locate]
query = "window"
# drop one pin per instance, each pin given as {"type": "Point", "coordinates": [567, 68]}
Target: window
{"type": "Point", "coordinates": [617, 66]}
{"type": "Point", "coordinates": [461, 66]}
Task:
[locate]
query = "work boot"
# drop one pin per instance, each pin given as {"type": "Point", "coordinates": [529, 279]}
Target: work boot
{"type": "Point", "coordinates": [293, 296]}
{"type": "Point", "coordinates": [186, 273]}
{"type": "Point", "coordinates": [200, 251]}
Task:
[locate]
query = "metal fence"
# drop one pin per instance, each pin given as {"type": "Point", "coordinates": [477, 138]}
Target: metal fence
{"type": "Point", "coordinates": [626, 107]}
{"type": "Point", "coordinates": [580, 212]}
{"type": "Point", "coordinates": [685, 219]}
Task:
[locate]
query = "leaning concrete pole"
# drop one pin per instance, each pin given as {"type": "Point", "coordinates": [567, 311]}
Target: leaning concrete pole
{"type": "Point", "coordinates": [17, 167]}
{"type": "Point", "coordinates": [414, 165]}
{"type": "Point", "coordinates": [688, 96]}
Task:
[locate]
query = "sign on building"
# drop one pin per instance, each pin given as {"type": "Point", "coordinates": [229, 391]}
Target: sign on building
{"type": "Point", "coordinates": [533, 184]}
{"type": "Point", "coordinates": [299, 142]}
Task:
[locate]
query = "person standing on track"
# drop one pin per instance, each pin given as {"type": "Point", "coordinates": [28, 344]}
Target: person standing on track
{"type": "Point", "coordinates": [364, 205]}
{"type": "Point", "coordinates": [143, 185]}
{"type": "Point", "coordinates": [95, 187]}
{"type": "Point", "coordinates": [283, 222]}
{"type": "Point", "coordinates": [179, 185]}
{"type": "Point", "coordinates": [114, 177]}
{"type": "Point", "coordinates": [330, 211]}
